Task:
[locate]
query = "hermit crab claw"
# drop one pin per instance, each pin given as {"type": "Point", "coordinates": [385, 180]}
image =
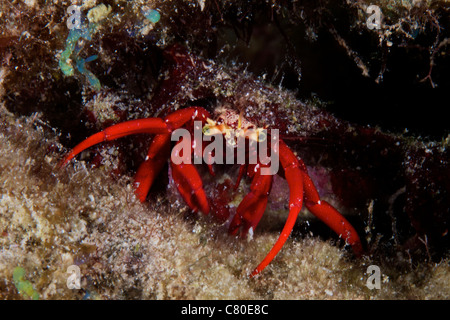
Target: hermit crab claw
{"type": "Point", "coordinates": [252, 207]}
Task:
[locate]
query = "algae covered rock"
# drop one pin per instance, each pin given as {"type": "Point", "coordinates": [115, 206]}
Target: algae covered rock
{"type": "Point", "coordinates": [342, 94]}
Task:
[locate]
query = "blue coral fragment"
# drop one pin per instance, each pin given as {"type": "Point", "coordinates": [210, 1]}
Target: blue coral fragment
{"type": "Point", "coordinates": [93, 80]}
{"type": "Point", "coordinates": [152, 15]}
{"type": "Point", "coordinates": [72, 49]}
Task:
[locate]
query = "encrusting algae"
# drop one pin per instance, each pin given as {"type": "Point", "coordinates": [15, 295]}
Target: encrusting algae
{"type": "Point", "coordinates": [52, 220]}
{"type": "Point", "coordinates": [125, 249]}
{"type": "Point", "coordinates": [23, 286]}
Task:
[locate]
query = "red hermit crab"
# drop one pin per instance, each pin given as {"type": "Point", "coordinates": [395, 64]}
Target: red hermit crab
{"type": "Point", "coordinates": [189, 183]}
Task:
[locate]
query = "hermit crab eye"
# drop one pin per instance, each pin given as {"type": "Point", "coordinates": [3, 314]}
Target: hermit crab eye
{"type": "Point", "coordinates": [261, 135]}
{"type": "Point", "coordinates": [206, 130]}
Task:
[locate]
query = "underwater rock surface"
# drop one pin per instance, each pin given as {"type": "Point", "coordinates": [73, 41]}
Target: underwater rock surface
{"type": "Point", "coordinates": [136, 59]}
{"type": "Point", "coordinates": [125, 249]}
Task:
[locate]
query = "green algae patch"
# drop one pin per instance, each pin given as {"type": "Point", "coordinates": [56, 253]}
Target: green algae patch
{"type": "Point", "coordinates": [72, 48]}
{"type": "Point", "coordinates": [24, 286]}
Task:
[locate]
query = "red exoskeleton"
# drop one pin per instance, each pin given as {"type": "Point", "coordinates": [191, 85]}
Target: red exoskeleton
{"type": "Point", "coordinates": [358, 155]}
{"type": "Point", "coordinates": [189, 183]}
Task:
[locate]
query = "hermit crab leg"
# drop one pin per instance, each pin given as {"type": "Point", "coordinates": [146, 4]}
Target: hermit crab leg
{"type": "Point", "coordinates": [208, 158]}
{"type": "Point", "coordinates": [157, 156]}
{"type": "Point", "coordinates": [330, 216]}
{"type": "Point", "coordinates": [252, 207]}
{"type": "Point", "coordinates": [190, 186]}
{"type": "Point", "coordinates": [189, 183]}
{"type": "Point", "coordinates": [293, 175]}
{"type": "Point", "coordinates": [159, 151]}
{"type": "Point", "coordinates": [239, 178]}
{"type": "Point", "coordinates": [148, 125]}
